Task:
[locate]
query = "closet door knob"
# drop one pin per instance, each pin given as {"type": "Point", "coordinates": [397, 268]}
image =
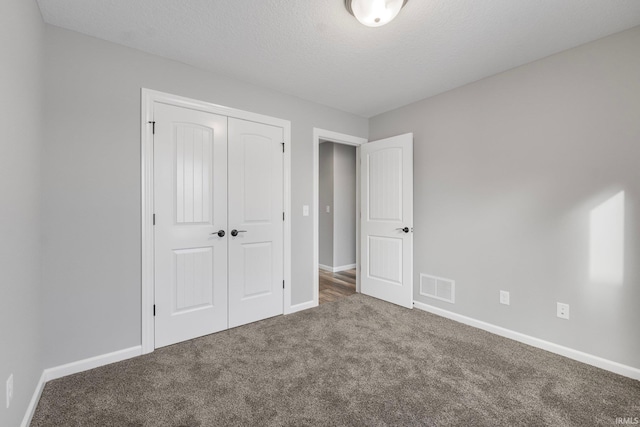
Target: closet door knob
{"type": "Point", "coordinates": [405, 229]}
{"type": "Point", "coordinates": [220, 233]}
{"type": "Point", "coordinates": [235, 232]}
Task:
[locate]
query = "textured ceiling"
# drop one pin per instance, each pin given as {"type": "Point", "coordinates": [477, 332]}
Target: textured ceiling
{"type": "Point", "coordinates": [315, 50]}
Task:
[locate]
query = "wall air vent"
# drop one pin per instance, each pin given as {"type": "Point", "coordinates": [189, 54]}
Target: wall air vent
{"type": "Point", "coordinates": [438, 288]}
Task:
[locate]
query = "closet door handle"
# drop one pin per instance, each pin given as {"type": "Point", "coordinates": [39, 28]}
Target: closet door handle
{"type": "Point", "coordinates": [235, 232]}
{"type": "Point", "coordinates": [219, 233]}
{"type": "Point", "coordinates": [405, 229]}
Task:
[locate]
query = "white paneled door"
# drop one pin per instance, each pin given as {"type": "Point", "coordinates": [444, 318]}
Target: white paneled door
{"type": "Point", "coordinates": [256, 221]}
{"type": "Point", "coordinates": [387, 219]}
{"type": "Point", "coordinates": [190, 177]}
{"type": "Point", "coordinates": [218, 190]}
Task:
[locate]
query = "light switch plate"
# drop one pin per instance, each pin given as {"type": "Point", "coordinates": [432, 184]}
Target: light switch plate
{"type": "Point", "coordinates": [504, 297]}
{"type": "Point", "coordinates": [305, 210]}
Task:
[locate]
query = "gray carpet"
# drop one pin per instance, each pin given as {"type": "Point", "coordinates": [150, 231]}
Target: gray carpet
{"type": "Point", "coordinates": [357, 361]}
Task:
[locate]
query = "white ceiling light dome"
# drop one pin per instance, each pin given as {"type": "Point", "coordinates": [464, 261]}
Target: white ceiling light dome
{"type": "Point", "coordinates": [374, 13]}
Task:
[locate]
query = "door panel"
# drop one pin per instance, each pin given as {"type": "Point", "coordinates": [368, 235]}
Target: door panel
{"type": "Point", "coordinates": [257, 170]}
{"type": "Point", "coordinates": [193, 147]}
{"type": "Point", "coordinates": [255, 209]}
{"type": "Point", "coordinates": [257, 272]}
{"type": "Point", "coordinates": [385, 259]}
{"type": "Point", "coordinates": [190, 192]}
{"type": "Point", "coordinates": [387, 208]}
{"type": "Point", "coordinates": [193, 275]}
{"type": "Point", "coordinates": [385, 185]}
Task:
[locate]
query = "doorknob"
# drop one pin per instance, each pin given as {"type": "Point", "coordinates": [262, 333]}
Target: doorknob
{"type": "Point", "coordinates": [405, 229]}
{"type": "Point", "coordinates": [235, 232]}
{"type": "Point", "coordinates": [219, 233]}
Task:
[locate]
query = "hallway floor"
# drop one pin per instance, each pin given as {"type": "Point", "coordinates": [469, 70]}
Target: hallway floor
{"type": "Point", "coordinates": [334, 286]}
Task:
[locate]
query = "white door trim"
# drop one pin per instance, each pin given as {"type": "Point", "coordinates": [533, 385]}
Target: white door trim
{"type": "Point", "coordinates": [340, 138]}
{"type": "Point", "coordinates": [148, 98]}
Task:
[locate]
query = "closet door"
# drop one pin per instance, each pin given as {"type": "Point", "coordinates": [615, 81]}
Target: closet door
{"type": "Point", "coordinates": [256, 203]}
{"type": "Point", "coordinates": [190, 192]}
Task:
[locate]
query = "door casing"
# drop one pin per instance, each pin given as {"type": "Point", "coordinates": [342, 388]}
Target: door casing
{"type": "Point", "coordinates": [339, 138]}
{"type": "Point", "coordinates": [148, 99]}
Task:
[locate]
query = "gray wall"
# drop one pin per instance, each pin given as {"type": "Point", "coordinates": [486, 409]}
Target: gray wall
{"type": "Point", "coordinates": [510, 171]}
{"type": "Point", "coordinates": [21, 44]}
{"type": "Point", "coordinates": [325, 198]}
{"type": "Point", "coordinates": [344, 205]}
{"type": "Point", "coordinates": [92, 183]}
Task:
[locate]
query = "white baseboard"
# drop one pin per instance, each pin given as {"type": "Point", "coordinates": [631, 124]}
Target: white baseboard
{"type": "Point", "coordinates": [599, 362]}
{"type": "Point", "coordinates": [300, 307]}
{"type": "Point", "coordinates": [92, 362]}
{"type": "Point", "coordinates": [33, 404]}
{"type": "Point", "coordinates": [73, 368]}
{"type": "Point", "coordinates": [336, 269]}
{"type": "Point", "coordinates": [344, 267]}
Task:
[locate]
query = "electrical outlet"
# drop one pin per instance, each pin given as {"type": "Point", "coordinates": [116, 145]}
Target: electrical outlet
{"type": "Point", "coordinates": [328, 209]}
{"type": "Point", "coordinates": [305, 210]}
{"type": "Point", "coordinates": [504, 297]}
{"type": "Point", "coordinates": [9, 389]}
{"type": "Point", "coordinates": [563, 311]}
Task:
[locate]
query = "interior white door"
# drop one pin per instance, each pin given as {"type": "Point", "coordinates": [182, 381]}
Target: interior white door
{"type": "Point", "coordinates": [387, 219]}
{"type": "Point", "coordinates": [256, 203]}
{"type": "Point", "coordinates": [190, 192]}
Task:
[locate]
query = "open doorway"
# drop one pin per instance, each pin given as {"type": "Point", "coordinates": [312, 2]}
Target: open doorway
{"type": "Point", "coordinates": [337, 209]}
{"type": "Point", "coordinates": [336, 216]}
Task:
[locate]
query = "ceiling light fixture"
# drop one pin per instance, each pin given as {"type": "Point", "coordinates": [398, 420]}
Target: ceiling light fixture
{"type": "Point", "coordinates": [374, 13]}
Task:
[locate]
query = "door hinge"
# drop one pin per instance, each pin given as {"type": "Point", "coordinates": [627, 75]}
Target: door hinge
{"type": "Point", "coordinates": [153, 127]}
{"type": "Point", "coordinates": [154, 310]}
{"type": "Point", "coordinates": [154, 219]}
{"type": "Point", "coordinates": [283, 284]}
{"type": "Point", "coordinates": [283, 216]}
{"type": "Point", "coordinates": [282, 146]}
